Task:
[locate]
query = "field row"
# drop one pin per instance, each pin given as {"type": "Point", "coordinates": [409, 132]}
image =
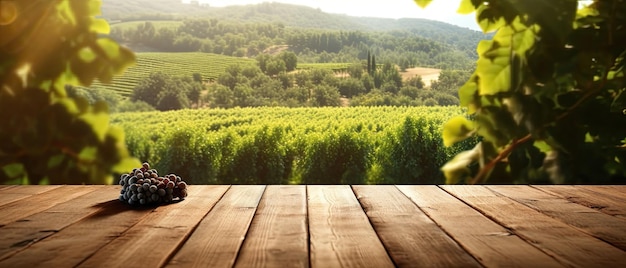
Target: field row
{"type": "Point", "coordinates": [294, 145]}
{"type": "Point", "coordinates": [210, 66]}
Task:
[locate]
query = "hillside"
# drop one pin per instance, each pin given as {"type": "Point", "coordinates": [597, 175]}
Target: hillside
{"type": "Point", "coordinates": [290, 16]}
{"type": "Point", "coordinates": [209, 66]}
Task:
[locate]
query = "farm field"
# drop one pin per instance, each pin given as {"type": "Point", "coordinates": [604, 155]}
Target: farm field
{"type": "Point", "coordinates": [359, 145]}
{"type": "Point", "coordinates": [428, 74]}
{"type": "Point", "coordinates": [210, 66]}
{"type": "Point", "coordinates": [336, 67]}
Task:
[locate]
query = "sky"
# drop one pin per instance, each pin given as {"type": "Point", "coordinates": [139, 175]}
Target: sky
{"type": "Point", "coordinates": [441, 10]}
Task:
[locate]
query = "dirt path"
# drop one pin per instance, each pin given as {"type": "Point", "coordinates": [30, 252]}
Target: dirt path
{"type": "Point", "coordinates": [428, 74]}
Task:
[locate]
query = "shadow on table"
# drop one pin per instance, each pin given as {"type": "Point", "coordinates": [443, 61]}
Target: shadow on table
{"type": "Point", "coordinates": [113, 207]}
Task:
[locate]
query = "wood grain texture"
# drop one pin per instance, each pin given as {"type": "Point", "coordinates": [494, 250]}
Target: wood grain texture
{"type": "Point", "coordinates": [617, 192]}
{"type": "Point", "coordinates": [14, 193]}
{"type": "Point", "coordinates": [159, 233]}
{"type": "Point", "coordinates": [75, 243]}
{"type": "Point", "coordinates": [614, 191]}
{"type": "Point", "coordinates": [581, 195]}
{"type": "Point", "coordinates": [32, 229]}
{"type": "Point", "coordinates": [490, 243]}
{"type": "Point", "coordinates": [565, 243]}
{"type": "Point", "coordinates": [278, 235]}
{"type": "Point", "coordinates": [410, 237]}
{"type": "Point", "coordinates": [218, 238]}
{"type": "Point", "coordinates": [39, 202]}
{"type": "Point", "coordinates": [4, 187]}
{"type": "Point", "coordinates": [603, 226]}
{"type": "Point", "coordinates": [340, 232]}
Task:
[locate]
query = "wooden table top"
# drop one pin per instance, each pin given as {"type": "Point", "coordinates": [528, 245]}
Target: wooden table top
{"type": "Point", "coordinates": [317, 226]}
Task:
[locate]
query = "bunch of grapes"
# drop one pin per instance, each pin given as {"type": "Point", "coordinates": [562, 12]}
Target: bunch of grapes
{"type": "Point", "coordinates": [144, 186]}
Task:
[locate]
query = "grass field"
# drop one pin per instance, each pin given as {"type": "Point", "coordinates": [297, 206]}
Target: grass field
{"type": "Point", "coordinates": [210, 66]}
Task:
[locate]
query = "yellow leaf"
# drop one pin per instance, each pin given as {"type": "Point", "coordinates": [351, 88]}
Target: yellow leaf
{"type": "Point", "coordinates": [423, 3]}
{"type": "Point", "coordinates": [466, 7]}
{"type": "Point", "coordinates": [86, 54]}
{"type": "Point", "coordinates": [100, 26]}
{"type": "Point", "coordinates": [110, 47]}
{"type": "Point", "coordinates": [457, 129]}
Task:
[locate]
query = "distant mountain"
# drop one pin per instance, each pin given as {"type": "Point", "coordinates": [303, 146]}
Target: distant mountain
{"type": "Point", "coordinates": [289, 15]}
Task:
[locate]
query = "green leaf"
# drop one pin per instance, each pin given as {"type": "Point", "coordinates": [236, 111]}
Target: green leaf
{"type": "Point", "coordinates": [495, 75]}
{"type": "Point", "coordinates": [543, 146]}
{"type": "Point", "coordinates": [56, 160]}
{"type": "Point", "coordinates": [457, 129]}
{"type": "Point", "coordinates": [88, 154]}
{"type": "Point", "coordinates": [99, 123]}
{"type": "Point", "coordinates": [467, 94]}
{"type": "Point", "coordinates": [466, 7]}
{"type": "Point", "coordinates": [457, 169]}
{"type": "Point", "coordinates": [13, 170]}
{"type": "Point", "coordinates": [486, 22]}
{"type": "Point", "coordinates": [423, 3]}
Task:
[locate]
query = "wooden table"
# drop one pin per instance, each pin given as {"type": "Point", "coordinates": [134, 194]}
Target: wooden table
{"type": "Point", "coordinates": [318, 226]}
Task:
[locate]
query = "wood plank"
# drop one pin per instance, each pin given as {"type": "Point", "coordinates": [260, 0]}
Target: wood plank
{"type": "Point", "coordinates": [23, 233]}
{"type": "Point", "coordinates": [340, 232]}
{"type": "Point", "coordinates": [6, 186]}
{"type": "Point", "coordinates": [161, 232]}
{"type": "Point", "coordinates": [15, 193]}
{"type": "Point", "coordinates": [490, 243]}
{"type": "Point", "coordinates": [565, 243]}
{"type": "Point", "coordinates": [588, 198]}
{"type": "Point", "coordinates": [45, 198]}
{"type": "Point", "coordinates": [614, 191]}
{"type": "Point", "coordinates": [278, 235]}
{"type": "Point", "coordinates": [218, 238]}
{"type": "Point", "coordinates": [410, 237]}
{"type": "Point", "coordinates": [75, 243]}
{"type": "Point", "coordinates": [605, 227]}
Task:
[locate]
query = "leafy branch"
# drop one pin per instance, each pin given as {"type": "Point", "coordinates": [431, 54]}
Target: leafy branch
{"type": "Point", "coordinates": [540, 58]}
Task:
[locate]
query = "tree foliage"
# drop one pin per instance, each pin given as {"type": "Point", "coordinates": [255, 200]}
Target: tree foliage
{"type": "Point", "coordinates": [165, 92]}
{"type": "Point", "coordinates": [547, 96]}
{"type": "Point", "coordinates": [48, 137]}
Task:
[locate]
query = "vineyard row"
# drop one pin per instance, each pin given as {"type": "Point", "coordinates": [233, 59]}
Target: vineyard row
{"type": "Point", "coordinates": [361, 145]}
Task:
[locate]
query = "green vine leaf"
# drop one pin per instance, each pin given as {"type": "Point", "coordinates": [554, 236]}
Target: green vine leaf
{"type": "Point", "coordinates": [457, 129]}
{"type": "Point", "coordinates": [457, 170]}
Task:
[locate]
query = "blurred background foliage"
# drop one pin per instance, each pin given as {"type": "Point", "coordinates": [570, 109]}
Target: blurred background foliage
{"type": "Point", "coordinates": [48, 137]}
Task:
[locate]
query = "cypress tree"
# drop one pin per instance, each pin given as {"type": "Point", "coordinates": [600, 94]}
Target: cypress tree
{"type": "Point", "coordinates": [373, 63]}
{"type": "Point", "coordinates": [369, 63]}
